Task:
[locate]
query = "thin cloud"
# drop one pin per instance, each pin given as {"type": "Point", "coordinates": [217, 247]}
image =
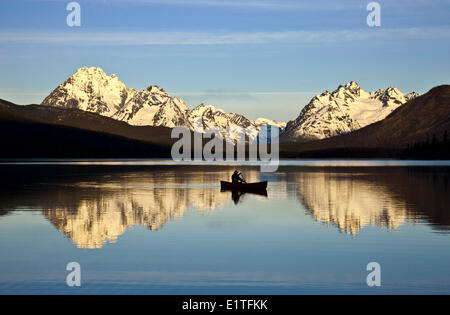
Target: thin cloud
{"type": "Point", "coordinates": [222, 38]}
{"type": "Point", "coordinates": [256, 4]}
{"type": "Point", "coordinates": [280, 5]}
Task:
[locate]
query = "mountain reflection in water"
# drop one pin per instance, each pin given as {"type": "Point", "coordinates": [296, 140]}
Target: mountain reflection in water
{"type": "Point", "coordinates": [92, 206]}
{"type": "Point", "coordinates": [385, 197]}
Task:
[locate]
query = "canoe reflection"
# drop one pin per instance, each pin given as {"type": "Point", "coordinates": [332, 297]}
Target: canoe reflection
{"type": "Point", "coordinates": [237, 194]}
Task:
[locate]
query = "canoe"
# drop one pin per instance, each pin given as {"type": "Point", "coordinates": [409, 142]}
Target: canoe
{"type": "Point", "coordinates": [242, 186]}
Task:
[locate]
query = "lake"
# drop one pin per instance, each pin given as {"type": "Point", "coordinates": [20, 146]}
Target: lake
{"type": "Point", "coordinates": [156, 227]}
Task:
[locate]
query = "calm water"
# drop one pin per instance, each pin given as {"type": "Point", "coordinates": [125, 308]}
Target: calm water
{"type": "Point", "coordinates": [169, 229]}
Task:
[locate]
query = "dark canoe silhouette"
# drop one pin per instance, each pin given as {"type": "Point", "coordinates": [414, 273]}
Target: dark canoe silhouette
{"type": "Point", "coordinates": [242, 186]}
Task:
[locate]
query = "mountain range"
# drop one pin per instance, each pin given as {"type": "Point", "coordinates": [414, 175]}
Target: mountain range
{"type": "Point", "coordinates": [92, 90]}
{"type": "Point", "coordinates": [91, 104]}
{"type": "Point", "coordinates": [346, 109]}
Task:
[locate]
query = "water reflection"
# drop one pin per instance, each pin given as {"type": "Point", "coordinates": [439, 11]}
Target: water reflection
{"type": "Point", "coordinates": [238, 196]}
{"type": "Point", "coordinates": [349, 202]}
{"type": "Point", "coordinates": [386, 197]}
{"type": "Point", "coordinates": [95, 206]}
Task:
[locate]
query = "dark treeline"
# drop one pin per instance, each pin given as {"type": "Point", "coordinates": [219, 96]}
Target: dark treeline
{"type": "Point", "coordinates": [434, 148]}
{"type": "Point", "coordinates": [36, 140]}
{"type": "Point", "coordinates": [342, 153]}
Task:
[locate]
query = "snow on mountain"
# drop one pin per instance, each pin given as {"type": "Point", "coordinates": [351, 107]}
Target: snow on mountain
{"type": "Point", "coordinates": [264, 121]}
{"type": "Point", "coordinates": [346, 109]}
{"type": "Point", "coordinates": [91, 89]}
{"type": "Point", "coordinates": [154, 107]}
{"type": "Point", "coordinates": [204, 117]}
{"type": "Point", "coordinates": [411, 96]}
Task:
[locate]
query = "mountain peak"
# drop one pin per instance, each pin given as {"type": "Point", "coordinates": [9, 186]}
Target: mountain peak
{"type": "Point", "coordinates": [352, 85]}
{"type": "Point", "coordinates": [347, 109]}
{"type": "Point", "coordinates": [91, 89]}
{"type": "Point", "coordinates": [411, 95]}
{"type": "Point", "coordinates": [268, 122]}
{"type": "Point", "coordinates": [90, 71]}
{"type": "Point", "coordinates": [155, 89]}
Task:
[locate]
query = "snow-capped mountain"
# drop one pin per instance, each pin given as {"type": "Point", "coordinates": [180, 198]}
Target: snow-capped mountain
{"type": "Point", "coordinates": [346, 109]}
{"type": "Point", "coordinates": [207, 117]}
{"type": "Point", "coordinates": [91, 89]}
{"type": "Point", "coordinates": [155, 107]}
{"type": "Point", "coordinates": [264, 121]}
{"type": "Point", "coordinates": [411, 95]}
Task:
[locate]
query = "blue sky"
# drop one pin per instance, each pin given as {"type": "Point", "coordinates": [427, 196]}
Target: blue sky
{"type": "Point", "coordinates": [258, 58]}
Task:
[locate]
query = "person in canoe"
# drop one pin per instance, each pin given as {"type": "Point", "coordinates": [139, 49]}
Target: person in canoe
{"type": "Point", "coordinates": [236, 178]}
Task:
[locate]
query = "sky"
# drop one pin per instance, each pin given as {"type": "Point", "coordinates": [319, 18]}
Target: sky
{"type": "Point", "coordinates": [258, 58]}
